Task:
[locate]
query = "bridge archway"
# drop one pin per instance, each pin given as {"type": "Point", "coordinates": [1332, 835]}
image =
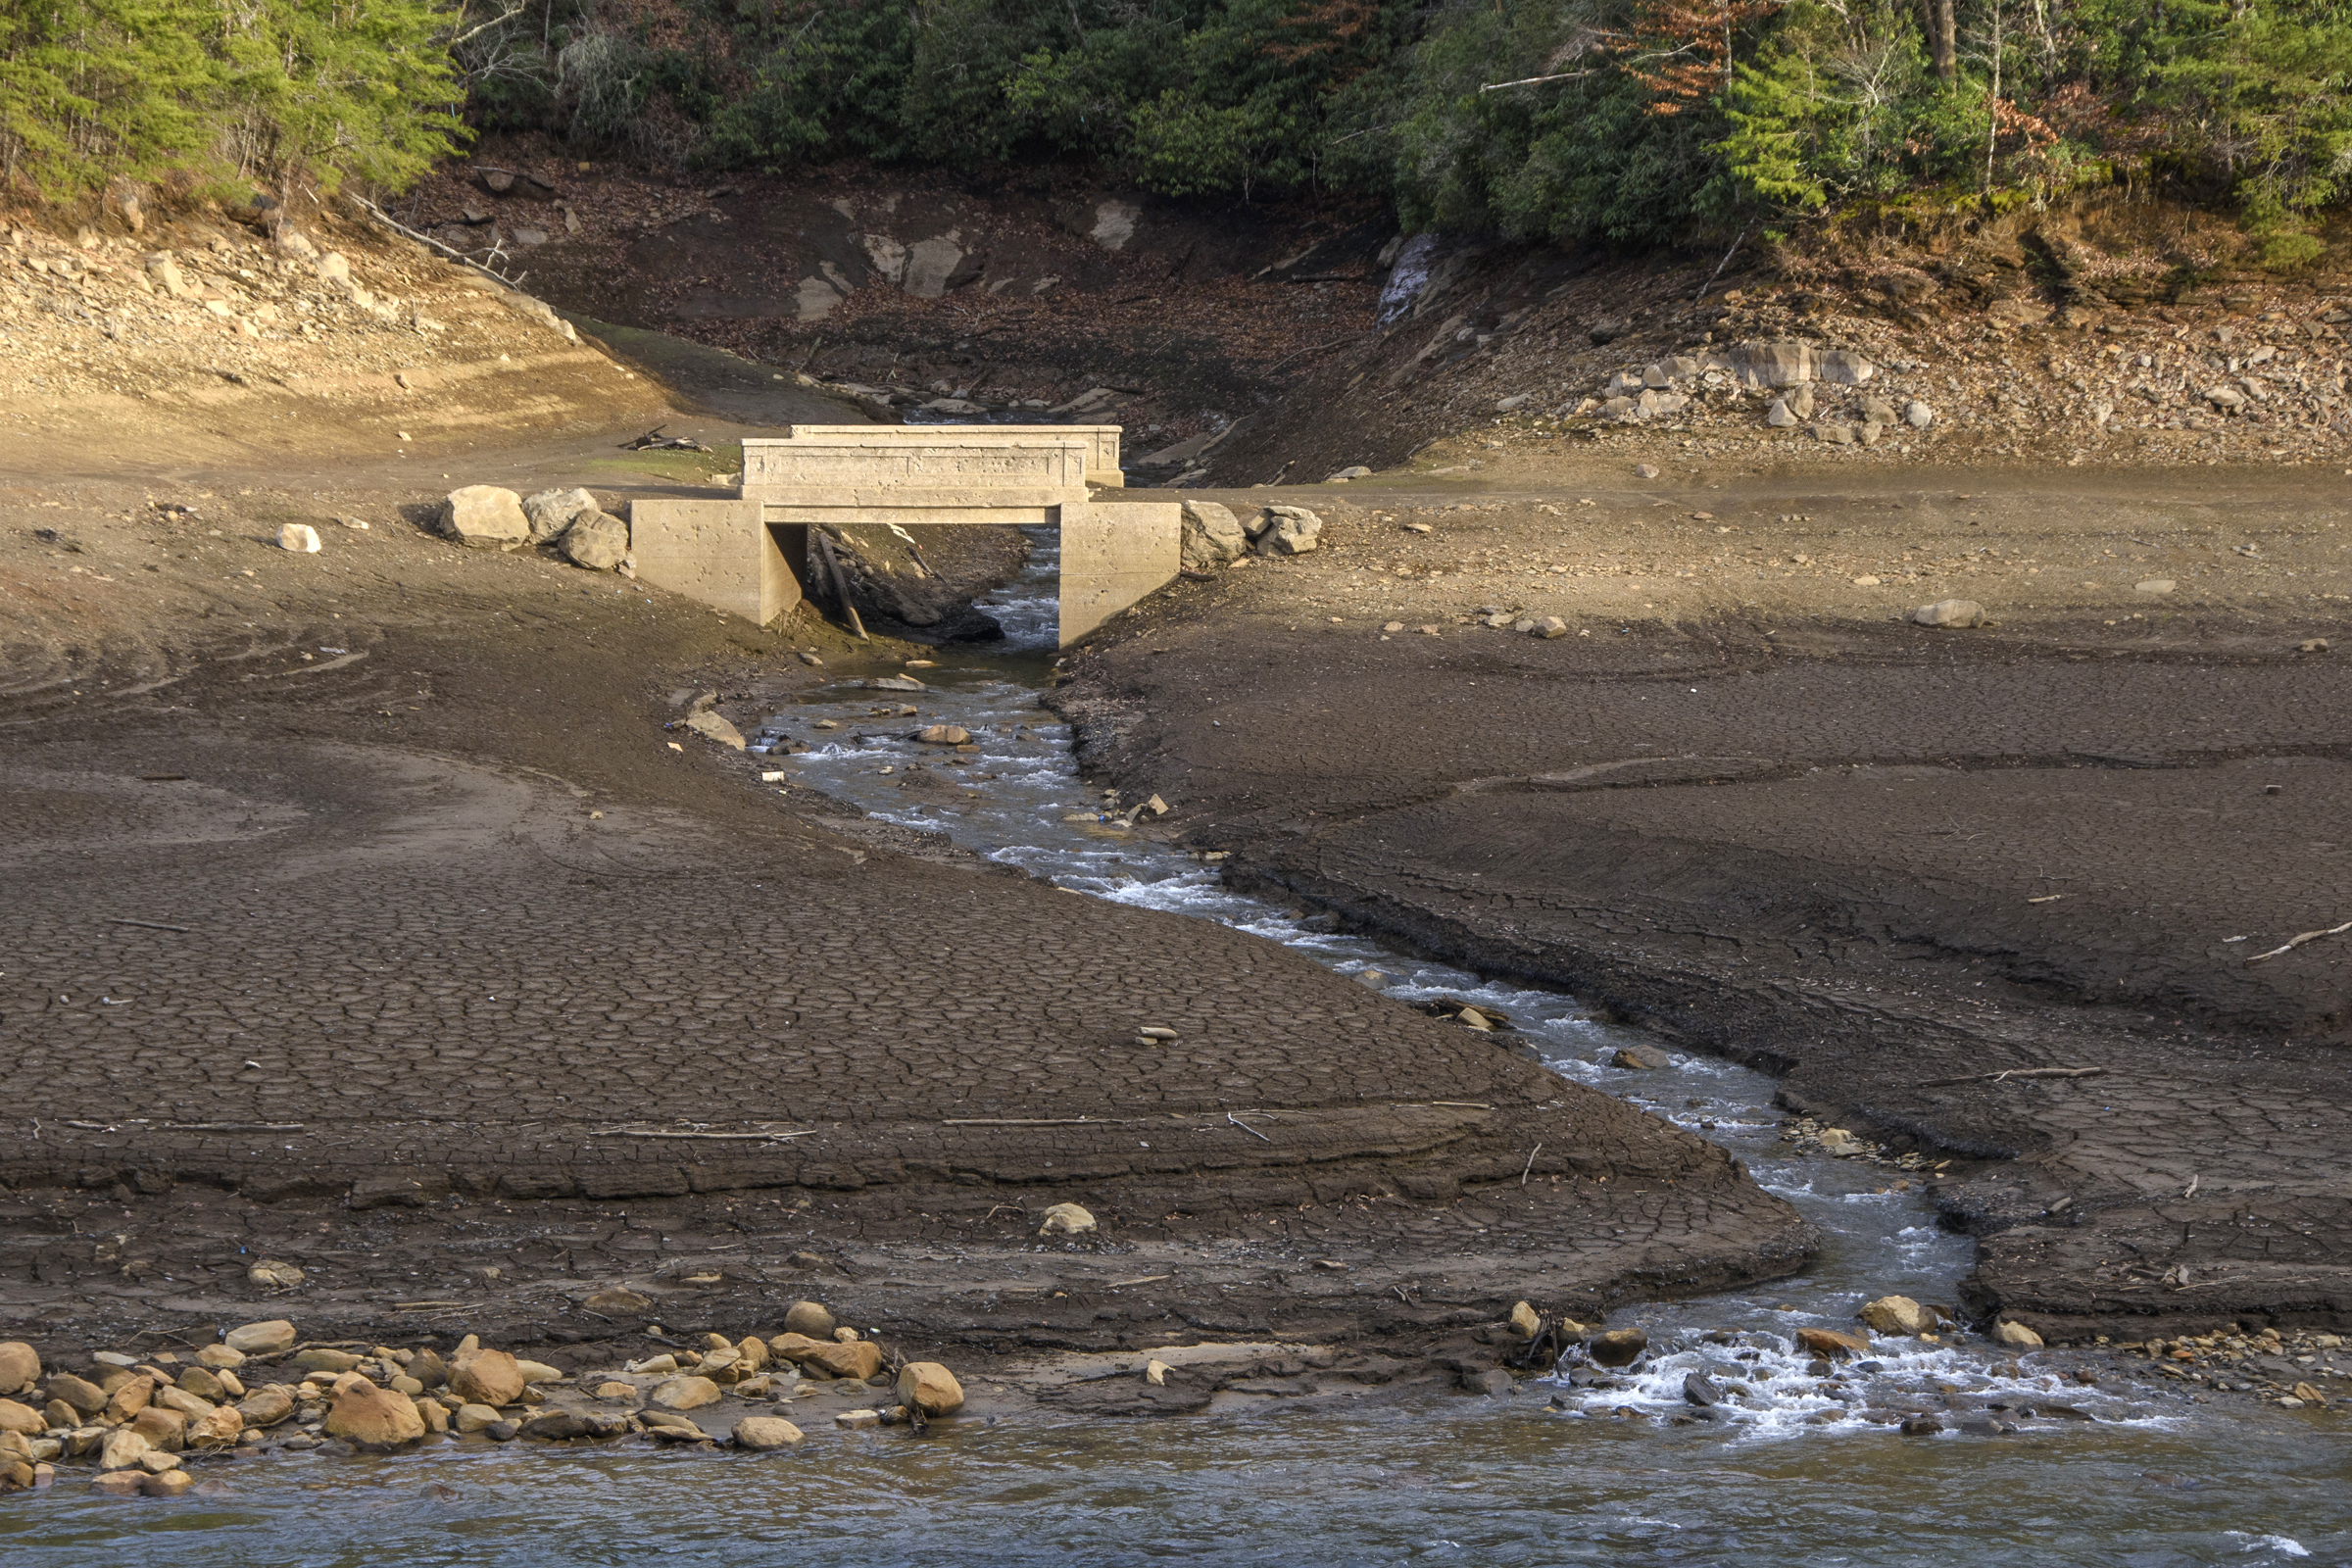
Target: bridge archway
{"type": "Point", "coordinates": [749, 553]}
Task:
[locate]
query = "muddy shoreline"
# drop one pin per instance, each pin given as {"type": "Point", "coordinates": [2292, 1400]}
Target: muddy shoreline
{"type": "Point", "coordinates": [1984, 895]}
{"type": "Point", "coordinates": [381, 916]}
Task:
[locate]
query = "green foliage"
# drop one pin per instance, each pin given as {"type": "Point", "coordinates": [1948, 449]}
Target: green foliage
{"type": "Point", "coordinates": [92, 88]}
{"type": "Point", "coordinates": [824, 76]}
{"type": "Point", "coordinates": [1631, 121]}
{"type": "Point", "coordinates": [2261, 98]}
{"type": "Point", "coordinates": [95, 90]}
{"type": "Point", "coordinates": [1184, 96]}
{"type": "Point", "coordinates": [1819, 113]}
{"type": "Point", "coordinates": [336, 89]}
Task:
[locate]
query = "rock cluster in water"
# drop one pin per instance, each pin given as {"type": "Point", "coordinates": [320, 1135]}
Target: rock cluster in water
{"type": "Point", "coordinates": [133, 1419]}
{"type": "Point", "coordinates": [1809, 1135]}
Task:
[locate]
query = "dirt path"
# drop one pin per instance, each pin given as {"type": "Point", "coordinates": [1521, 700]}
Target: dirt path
{"type": "Point", "coordinates": [1745, 800]}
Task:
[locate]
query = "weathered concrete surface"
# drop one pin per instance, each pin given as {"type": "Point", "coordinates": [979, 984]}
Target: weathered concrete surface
{"type": "Point", "coordinates": [1102, 461]}
{"type": "Point", "coordinates": [909, 472]}
{"type": "Point", "coordinates": [718, 552]}
{"type": "Point", "coordinates": [749, 556]}
{"type": "Point", "coordinates": [1113, 556]}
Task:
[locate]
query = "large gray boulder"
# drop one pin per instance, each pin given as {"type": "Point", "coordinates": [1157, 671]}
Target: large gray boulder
{"type": "Point", "coordinates": [552, 511]}
{"type": "Point", "coordinates": [596, 540]}
{"type": "Point", "coordinates": [1950, 613]}
{"type": "Point", "coordinates": [1212, 536]}
{"type": "Point", "coordinates": [482, 516]}
{"type": "Point", "coordinates": [1759, 364]}
{"type": "Point", "coordinates": [1286, 531]}
{"type": "Point", "coordinates": [1843, 368]}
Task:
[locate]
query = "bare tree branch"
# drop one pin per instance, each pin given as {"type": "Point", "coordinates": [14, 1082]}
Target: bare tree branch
{"type": "Point", "coordinates": [474, 33]}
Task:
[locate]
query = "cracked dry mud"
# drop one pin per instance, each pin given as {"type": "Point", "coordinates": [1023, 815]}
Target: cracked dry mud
{"type": "Point", "coordinates": [1741, 806]}
{"type": "Point", "coordinates": [389, 960]}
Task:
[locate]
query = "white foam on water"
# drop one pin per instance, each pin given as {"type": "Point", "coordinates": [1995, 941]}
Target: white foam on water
{"type": "Point", "coordinates": [2278, 1544]}
{"type": "Point", "coordinates": [1029, 607]}
{"type": "Point", "coordinates": [1768, 1389]}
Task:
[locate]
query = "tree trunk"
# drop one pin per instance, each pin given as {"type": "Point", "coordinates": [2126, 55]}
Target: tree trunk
{"type": "Point", "coordinates": [1944, 36]}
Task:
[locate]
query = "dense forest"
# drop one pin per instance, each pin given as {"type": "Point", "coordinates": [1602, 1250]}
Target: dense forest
{"type": "Point", "coordinates": [1626, 120]}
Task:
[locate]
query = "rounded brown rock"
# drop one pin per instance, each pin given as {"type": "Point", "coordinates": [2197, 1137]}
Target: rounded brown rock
{"type": "Point", "coordinates": [762, 1434]}
{"type": "Point", "coordinates": [487, 1377]}
{"type": "Point", "coordinates": [810, 1318]}
{"type": "Point", "coordinates": [369, 1417]}
{"type": "Point", "coordinates": [272, 1338]}
{"type": "Point", "coordinates": [930, 1388]}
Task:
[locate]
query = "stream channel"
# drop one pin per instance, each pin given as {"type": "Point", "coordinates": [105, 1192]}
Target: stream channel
{"type": "Point", "coordinates": [1559, 1474]}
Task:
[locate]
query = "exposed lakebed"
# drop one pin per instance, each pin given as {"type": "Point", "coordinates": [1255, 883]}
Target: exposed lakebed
{"type": "Point", "coordinates": [1794, 1467]}
{"type": "Point", "coordinates": [1587, 1466]}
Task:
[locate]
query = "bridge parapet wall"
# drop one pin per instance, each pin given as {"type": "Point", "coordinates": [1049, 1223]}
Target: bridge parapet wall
{"type": "Point", "coordinates": [1103, 440]}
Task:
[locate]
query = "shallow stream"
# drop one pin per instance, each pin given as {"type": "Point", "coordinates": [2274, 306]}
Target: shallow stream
{"type": "Point", "coordinates": [1566, 1472]}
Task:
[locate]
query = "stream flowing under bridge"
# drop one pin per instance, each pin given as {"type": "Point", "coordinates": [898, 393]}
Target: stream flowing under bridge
{"type": "Point", "coordinates": [749, 553]}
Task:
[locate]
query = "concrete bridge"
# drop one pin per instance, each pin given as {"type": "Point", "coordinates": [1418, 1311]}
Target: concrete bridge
{"type": "Point", "coordinates": [750, 555]}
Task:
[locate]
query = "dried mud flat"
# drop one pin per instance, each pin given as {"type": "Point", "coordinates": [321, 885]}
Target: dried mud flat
{"type": "Point", "coordinates": [373, 917]}
{"type": "Point", "coordinates": [1987, 895]}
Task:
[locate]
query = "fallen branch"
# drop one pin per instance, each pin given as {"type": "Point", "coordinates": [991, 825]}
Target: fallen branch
{"type": "Point", "coordinates": [1148, 1278]}
{"type": "Point", "coordinates": [450, 251]}
{"type": "Point", "coordinates": [2015, 1072]}
{"type": "Point", "coordinates": [148, 925]}
{"type": "Point", "coordinates": [1726, 262]}
{"type": "Point", "coordinates": [655, 441]}
{"type": "Point", "coordinates": [1246, 1127]}
{"type": "Point", "coordinates": [234, 1126]}
{"type": "Point", "coordinates": [1316, 349]}
{"type": "Point", "coordinates": [1027, 1121]}
{"type": "Point", "coordinates": [1531, 1163]}
{"type": "Point", "coordinates": [2295, 942]}
{"type": "Point", "coordinates": [723, 1138]}
{"type": "Point", "coordinates": [474, 32]}
{"type": "Point", "coordinates": [1531, 81]}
